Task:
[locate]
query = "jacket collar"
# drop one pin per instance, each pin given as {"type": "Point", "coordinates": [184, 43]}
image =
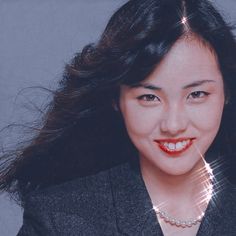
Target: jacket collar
{"type": "Point", "coordinates": [134, 210]}
{"type": "Point", "coordinates": [217, 210]}
{"type": "Point", "coordinates": [133, 207]}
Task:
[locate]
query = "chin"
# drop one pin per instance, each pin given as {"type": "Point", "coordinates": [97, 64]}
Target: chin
{"type": "Point", "coordinates": [177, 172]}
{"type": "Point", "coordinates": [178, 166]}
{"type": "Point", "coordinates": [178, 169]}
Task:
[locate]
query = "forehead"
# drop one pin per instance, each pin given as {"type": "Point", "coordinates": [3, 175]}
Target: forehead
{"type": "Point", "coordinates": [188, 60]}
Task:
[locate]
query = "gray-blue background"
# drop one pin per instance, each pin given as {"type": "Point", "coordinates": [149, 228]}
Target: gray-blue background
{"type": "Point", "coordinates": [37, 38]}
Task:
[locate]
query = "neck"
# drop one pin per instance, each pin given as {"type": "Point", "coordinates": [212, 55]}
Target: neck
{"type": "Point", "coordinates": [176, 192]}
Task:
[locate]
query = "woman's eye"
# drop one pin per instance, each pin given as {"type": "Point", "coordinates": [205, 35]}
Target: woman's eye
{"type": "Point", "coordinates": [198, 95]}
{"type": "Point", "coordinates": [149, 98]}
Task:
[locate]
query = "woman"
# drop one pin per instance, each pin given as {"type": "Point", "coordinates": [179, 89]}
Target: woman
{"type": "Point", "coordinates": [123, 145]}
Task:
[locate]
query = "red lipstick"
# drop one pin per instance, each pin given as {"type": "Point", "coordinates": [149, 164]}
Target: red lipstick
{"type": "Point", "coordinates": [174, 146]}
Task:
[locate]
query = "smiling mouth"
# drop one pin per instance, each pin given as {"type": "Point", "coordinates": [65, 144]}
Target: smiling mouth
{"type": "Point", "coordinates": [174, 146]}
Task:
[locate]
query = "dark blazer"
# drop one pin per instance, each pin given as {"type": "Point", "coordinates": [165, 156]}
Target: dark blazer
{"type": "Point", "coordinates": [115, 202]}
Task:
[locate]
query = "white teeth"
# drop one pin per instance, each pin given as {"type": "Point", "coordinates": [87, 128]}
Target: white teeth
{"type": "Point", "coordinates": [176, 146]}
{"type": "Point", "coordinates": [171, 146]}
{"type": "Point", "coordinates": [179, 145]}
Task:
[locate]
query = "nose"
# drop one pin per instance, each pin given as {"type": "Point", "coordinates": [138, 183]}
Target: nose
{"type": "Point", "coordinates": [174, 120]}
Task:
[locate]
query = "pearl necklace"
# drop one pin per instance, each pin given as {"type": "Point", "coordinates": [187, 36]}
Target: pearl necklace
{"type": "Point", "coordinates": [186, 223]}
{"type": "Point", "coordinates": [179, 223]}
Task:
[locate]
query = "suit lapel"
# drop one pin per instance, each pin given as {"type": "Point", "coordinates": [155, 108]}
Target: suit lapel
{"type": "Point", "coordinates": [215, 211]}
{"type": "Point", "coordinates": [133, 207]}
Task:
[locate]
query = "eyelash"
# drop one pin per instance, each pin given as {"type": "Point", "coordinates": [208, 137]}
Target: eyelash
{"type": "Point", "coordinates": [148, 98]}
{"type": "Point", "coordinates": [152, 98]}
{"type": "Point", "coordinates": [197, 94]}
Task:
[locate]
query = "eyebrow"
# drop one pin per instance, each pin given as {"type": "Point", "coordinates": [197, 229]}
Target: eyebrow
{"type": "Point", "coordinates": [152, 87]}
{"type": "Point", "coordinates": [146, 86]}
{"type": "Point", "coordinates": [198, 83]}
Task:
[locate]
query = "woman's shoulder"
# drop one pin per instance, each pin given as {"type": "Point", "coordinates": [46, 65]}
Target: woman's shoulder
{"type": "Point", "coordinates": [229, 195]}
{"type": "Point", "coordinates": [224, 200]}
{"type": "Point", "coordinates": [81, 205]}
{"type": "Point", "coordinates": [80, 190]}
{"type": "Point", "coordinates": [222, 214]}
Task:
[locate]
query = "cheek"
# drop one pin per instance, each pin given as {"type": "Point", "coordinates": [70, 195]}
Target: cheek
{"type": "Point", "coordinates": [139, 120]}
{"type": "Point", "coordinates": [208, 118]}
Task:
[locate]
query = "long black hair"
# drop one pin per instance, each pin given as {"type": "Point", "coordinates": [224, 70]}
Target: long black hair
{"type": "Point", "coordinates": [82, 133]}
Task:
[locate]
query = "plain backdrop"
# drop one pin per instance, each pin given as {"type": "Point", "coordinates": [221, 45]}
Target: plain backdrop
{"type": "Point", "coordinates": [37, 38]}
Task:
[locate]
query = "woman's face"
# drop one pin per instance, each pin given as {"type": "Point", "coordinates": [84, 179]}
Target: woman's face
{"type": "Point", "coordinates": [173, 116]}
